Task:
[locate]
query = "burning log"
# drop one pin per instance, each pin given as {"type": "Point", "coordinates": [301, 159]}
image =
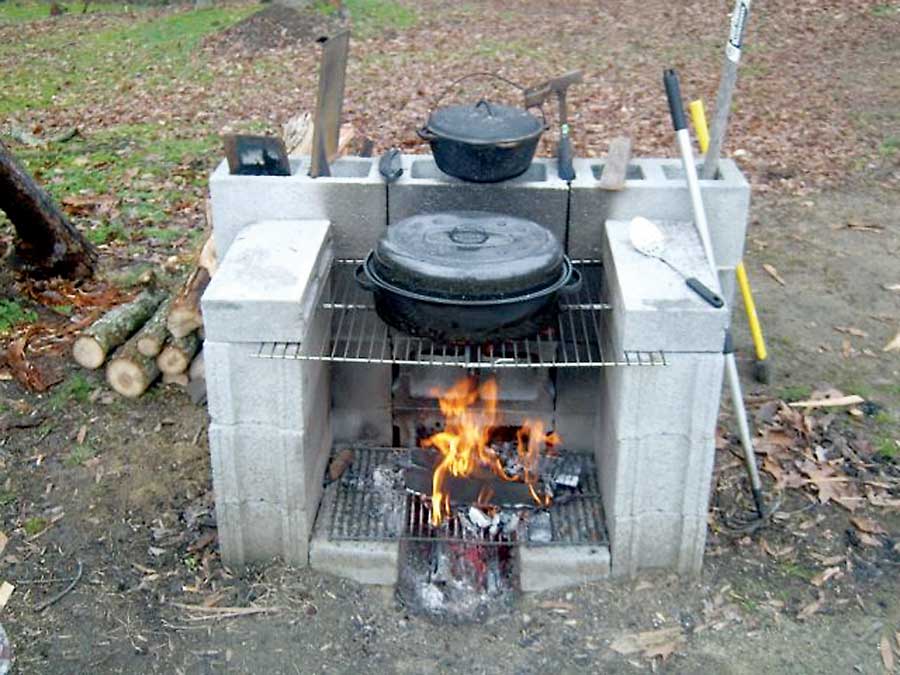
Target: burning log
{"type": "Point", "coordinates": [177, 354]}
{"type": "Point", "coordinates": [129, 372]}
{"type": "Point", "coordinates": [152, 337]}
{"type": "Point", "coordinates": [113, 328]}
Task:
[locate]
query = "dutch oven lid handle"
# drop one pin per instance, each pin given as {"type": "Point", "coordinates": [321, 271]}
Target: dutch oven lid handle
{"type": "Point", "coordinates": [468, 237]}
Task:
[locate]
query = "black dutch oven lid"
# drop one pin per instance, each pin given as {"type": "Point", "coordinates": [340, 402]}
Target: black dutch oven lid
{"type": "Point", "coordinates": [468, 255]}
{"type": "Point", "coordinates": [484, 123]}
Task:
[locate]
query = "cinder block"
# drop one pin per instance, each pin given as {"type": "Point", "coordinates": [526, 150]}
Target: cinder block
{"type": "Point", "coordinates": [269, 283]}
{"type": "Point", "coordinates": [361, 403]}
{"type": "Point", "coordinates": [281, 393]}
{"type": "Point", "coordinates": [353, 198]}
{"type": "Point", "coordinates": [544, 568]}
{"type": "Point", "coordinates": [538, 194]}
{"type": "Point", "coordinates": [657, 541]}
{"type": "Point", "coordinates": [652, 306]}
{"type": "Point", "coordinates": [261, 472]}
{"type": "Point", "coordinates": [366, 562]}
{"type": "Point", "coordinates": [656, 190]}
{"type": "Point", "coordinates": [577, 390]}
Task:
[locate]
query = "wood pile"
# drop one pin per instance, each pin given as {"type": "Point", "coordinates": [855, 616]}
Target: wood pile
{"type": "Point", "coordinates": [156, 334]}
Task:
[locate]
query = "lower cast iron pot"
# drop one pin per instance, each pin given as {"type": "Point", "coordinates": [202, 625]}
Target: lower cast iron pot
{"type": "Point", "coordinates": [468, 276]}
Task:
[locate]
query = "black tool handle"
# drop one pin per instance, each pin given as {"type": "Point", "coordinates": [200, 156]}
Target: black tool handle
{"type": "Point", "coordinates": [390, 166]}
{"type": "Point", "coordinates": [564, 155]}
{"type": "Point", "coordinates": [673, 93]}
{"type": "Point", "coordinates": [705, 292]}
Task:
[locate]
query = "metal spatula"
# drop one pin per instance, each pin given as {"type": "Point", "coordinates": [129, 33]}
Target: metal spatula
{"type": "Point", "coordinates": [648, 239]}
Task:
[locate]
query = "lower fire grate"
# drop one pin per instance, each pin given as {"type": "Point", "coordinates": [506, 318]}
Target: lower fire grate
{"type": "Point", "coordinates": [372, 504]}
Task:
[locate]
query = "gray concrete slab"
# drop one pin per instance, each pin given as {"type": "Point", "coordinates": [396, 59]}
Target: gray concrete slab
{"type": "Point", "coordinates": [269, 283]}
{"type": "Point", "coordinates": [544, 568]}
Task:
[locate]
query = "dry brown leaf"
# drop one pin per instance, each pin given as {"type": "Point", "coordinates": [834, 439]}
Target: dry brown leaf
{"type": "Point", "coordinates": [868, 539]}
{"type": "Point", "coordinates": [887, 654]}
{"type": "Point", "coordinates": [6, 591]}
{"type": "Point", "coordinates": [846, 348]}
{"type": "Point", "coordinates": [893, 345]}
{"type": "Point", "coordinates": [811, 608]}
{"type": "Point", "coordinates": [824, 576]}
{"type": "Point", "coordinates": [852, 399]}
{"type": "Point", "coordinates": [864, 227]}
{"type": "Point", "coordinates": [774, 273]}
{"type": "Point", "coordinates": [650, 644]}
{"type": "Point", "coordinates": [81, 435]}
{"type": "Point", "coordinates": [864, 524]}
{"type": "Point", "coordinates": [3, 541]}
{"type": "Point", "coordinates": [851, 330]}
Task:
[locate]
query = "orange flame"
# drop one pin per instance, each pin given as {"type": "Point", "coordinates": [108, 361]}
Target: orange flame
{"type": "Point", "coordinates": [464, 444]}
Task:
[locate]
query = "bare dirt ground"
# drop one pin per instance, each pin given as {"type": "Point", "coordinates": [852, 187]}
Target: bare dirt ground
{"type": "Point", "coordinates": [815, 121]}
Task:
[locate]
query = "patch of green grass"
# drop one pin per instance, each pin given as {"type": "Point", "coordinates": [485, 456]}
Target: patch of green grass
{"type": "Point", "coordinates": [162, 234]}
{"type": "Point", "coordinates": [373, 16]}
{"type": "Point", "coordinates": [6, 497]}
{"type": "Point", "coordinates": [13, 314]}
{"type": "Point", "coordinates": [797, 392]}
{"type": "Point", "coordinates": [77, 389]}
{"type": "Point", "coordinates": [797, 570]}
{"type": "Point", "coordinates": [79, 455]}
{"type": "Point", "coordinates": [106, 232]}
{"type": "Point", "coordinates": [65, 310]}
{"type": "Point", "coordinates": [889, 146]}
{"type": "Point", "coordinates": [18, 12]}
{"type": "Point", "coordinates": [887, 447]}
{"type": "Point", "coordinates": [886, 10]}
{"type": "Point", "coordinates": [34, 525]}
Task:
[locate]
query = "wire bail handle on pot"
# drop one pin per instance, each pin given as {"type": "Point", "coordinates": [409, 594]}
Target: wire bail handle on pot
{"type": "Point", "coordinates": [426, 135]}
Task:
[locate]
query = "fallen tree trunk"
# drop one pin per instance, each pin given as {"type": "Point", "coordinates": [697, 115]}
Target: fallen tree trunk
{"type": "Point", "coordinates": [152, 337]}
{"type": "Point", "coordinates": [185, 316]}
{"type": "Point", "coordinates": [113, 328]}
{"type": "Point", "coordinates": [129, 372]}
{"type": "Point", "coordinates": [177, 354]}
{"type": "Point", "coordinates": [46, 243]}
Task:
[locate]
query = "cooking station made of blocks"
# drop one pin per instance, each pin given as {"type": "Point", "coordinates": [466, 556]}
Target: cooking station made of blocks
{"type": "Point", "coordinates": [300, 367]}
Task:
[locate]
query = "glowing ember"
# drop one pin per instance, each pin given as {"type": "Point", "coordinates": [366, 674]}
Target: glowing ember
{"type": "Point", "coordinates": [464, 444]}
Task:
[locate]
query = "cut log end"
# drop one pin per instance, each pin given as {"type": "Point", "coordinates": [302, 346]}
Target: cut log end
{"type": "Point", "coordinates": [150, 345]}
{"type": "Point", "coordinates": [127, 378]}
{"type": "Point", "coordinates": [88, 353]}
{"type": "Point", "coordinates": [172, 361]}
{"type": "Point", "coordinates": [183, 321]}
{"type": "Point", "coordinates": [178, 379]}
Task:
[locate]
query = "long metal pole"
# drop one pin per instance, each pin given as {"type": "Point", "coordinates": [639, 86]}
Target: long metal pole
{"type": "Point", "coordinates": [676, 107]}
{"type": "Point", "coordinates": [726, 87]}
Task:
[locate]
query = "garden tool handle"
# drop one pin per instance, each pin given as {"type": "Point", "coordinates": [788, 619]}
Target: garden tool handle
{"type": "Point", "coordinates": [705, 292]}
{"type": "Point", "coordinates": [673, 93]}
{"type": "Point", "coordinates": [565, 168]}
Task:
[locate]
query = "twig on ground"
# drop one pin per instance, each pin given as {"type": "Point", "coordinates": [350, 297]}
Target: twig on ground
{"type": "Point", "coordinates": [64, 592]}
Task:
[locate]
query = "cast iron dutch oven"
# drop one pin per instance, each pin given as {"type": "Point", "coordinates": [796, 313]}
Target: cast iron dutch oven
{"type": "Point", "coordinates": [468, 276]}
{"type": "Point", "coordinates": [483, 143]}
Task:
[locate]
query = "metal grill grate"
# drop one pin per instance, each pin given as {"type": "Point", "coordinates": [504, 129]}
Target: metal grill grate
{"type": "Point", "coordinates": [579, 338]}
{"type": "Point", "coordinates": [363, 512]}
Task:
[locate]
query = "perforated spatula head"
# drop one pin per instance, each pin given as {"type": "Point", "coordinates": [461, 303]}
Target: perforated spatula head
{"type": "Point", "coordinates": [646, 237]}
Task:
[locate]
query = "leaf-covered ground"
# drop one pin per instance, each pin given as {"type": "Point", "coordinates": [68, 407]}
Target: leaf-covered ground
{"type": "Point", "coordinates": [123, 486]}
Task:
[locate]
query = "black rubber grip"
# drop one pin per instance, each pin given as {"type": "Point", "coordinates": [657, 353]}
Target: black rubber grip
{"type": "Point", "coordinates": [565, 168]}
{"type": "Point", "coordinates": [705, 292]}
{"type": "Point", "coordinates": [673, 93]}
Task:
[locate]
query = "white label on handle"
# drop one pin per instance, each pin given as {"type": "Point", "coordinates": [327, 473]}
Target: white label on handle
{"type": "Point", "coordinates": [736, 35]}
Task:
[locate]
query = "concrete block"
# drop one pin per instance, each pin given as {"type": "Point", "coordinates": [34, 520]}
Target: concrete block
{"type": "Point", "coordinates": [537, 195]}
{"type": "Point", "coordinates": [267, 483]}
{"type": "Point", "coordinates": [577, 390]}
{"type": "Point", "coordinates": [657, 541]}
{"type": "Point", "coordinates": [544, 568]}
{"type": "Point", "coordinates": [353, 198]}
{"type": "Point", "coordinates": [656, 190]}
{"type": "Point", "coordinates": [269, 283]}
{"type": "Point", "coordinates": [361, 403]}
{"type": "Point", "coordinates": [653, 308]}
{"type": "Point", "coordinates": [366, 562]}
{"type": "Point", "coordinates": [281, 393]}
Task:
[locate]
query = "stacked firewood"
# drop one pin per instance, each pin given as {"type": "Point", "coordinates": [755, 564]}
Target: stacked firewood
{"type": "Point", "coordinates": [156, 334]}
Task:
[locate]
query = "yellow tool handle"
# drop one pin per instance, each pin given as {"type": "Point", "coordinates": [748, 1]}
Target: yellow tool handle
{"type": "Point", "coordinates": [698, 117]}
{"type": "Point", "coordinates": [750, 307]}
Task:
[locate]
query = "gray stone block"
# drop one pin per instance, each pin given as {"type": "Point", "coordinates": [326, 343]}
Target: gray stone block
{"type": "Point", "coordinates": [353, 198]}
{"type": "Point", "coordinates": [537, 195]}
{"type": "Point", "coordinates": [544, 568]}
{"type": "Point", "coordinates": [269, 283]}
{"type": "Point", "coordinates": [260, 531]}
{"type": "Point", "coordinates": [656, 190]}
{"type": "Point", "coordinates": [657, 541]}
{"type": "Point", "coordinates": [281, 393]}
{"type": "Point", "coordinates": [653, 308]}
